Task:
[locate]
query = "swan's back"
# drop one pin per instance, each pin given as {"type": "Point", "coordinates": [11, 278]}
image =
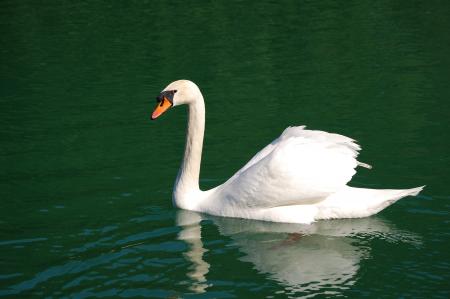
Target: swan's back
{"type": "Point", "coordinates": [300, 167]}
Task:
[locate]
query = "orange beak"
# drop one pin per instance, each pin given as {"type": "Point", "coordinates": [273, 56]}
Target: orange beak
{"type": "Point", "coordinates": [162, 107]}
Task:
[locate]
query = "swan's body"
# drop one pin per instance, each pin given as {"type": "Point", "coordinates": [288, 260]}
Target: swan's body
{"type": "Point", "coordinates": [300, 177]}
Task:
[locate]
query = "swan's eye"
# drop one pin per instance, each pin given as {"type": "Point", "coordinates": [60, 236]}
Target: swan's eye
{"type": "Point", "coordinates": [166, 95]}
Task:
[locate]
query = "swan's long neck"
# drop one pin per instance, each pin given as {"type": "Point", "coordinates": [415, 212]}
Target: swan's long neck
{"type": "Point", "coordinates": [188, 175]}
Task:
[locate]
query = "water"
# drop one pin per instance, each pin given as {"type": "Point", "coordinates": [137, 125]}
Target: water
{"type": "Point", "coordinates": [86, 178]}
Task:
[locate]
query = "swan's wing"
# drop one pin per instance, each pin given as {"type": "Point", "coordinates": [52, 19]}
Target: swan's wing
{"type": "Point", "coordinates": [267, 150]}
{"type": "Point", "coordinates": [300, 167]}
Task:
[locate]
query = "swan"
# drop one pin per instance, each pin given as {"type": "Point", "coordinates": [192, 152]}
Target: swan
{"type": "Point", "coordinates": [300, 177]}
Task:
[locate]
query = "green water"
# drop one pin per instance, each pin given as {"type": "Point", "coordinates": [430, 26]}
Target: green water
{"type": "Point", "coordinates": [86, 177]}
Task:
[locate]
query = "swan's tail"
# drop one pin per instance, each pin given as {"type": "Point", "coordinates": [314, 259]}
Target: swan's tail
{"type": "Point", "coordinates": [353, 202]}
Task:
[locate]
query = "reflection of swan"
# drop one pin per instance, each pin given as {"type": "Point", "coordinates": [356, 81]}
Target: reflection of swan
{"type": "Point", "coordinates": [191, 234]}
{"type": "Point", "coordinates": [303, 258]}
{"type": "Point", "coordinates": [300, 177]}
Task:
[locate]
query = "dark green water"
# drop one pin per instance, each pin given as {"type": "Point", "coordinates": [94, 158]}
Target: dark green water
{"type": "Point", "coordinates": [86, 178]}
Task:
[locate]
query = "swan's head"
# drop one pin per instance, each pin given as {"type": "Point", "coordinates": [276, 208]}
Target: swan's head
{"type": "Point", "coordinates": [176, 93]}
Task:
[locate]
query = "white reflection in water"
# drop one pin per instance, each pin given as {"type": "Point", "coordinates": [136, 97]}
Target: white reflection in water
{"type": "Point", "coordinates": [191, 234]}
{"type": "Point", "coordinates": [303, 258]}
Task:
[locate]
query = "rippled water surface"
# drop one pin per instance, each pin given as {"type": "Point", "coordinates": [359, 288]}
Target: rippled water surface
{"type": "Point", "coordinates": [86, 178]}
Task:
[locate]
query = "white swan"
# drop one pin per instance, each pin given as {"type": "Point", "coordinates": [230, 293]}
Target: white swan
{"type": "Point", "coordinates": [298, 178]}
